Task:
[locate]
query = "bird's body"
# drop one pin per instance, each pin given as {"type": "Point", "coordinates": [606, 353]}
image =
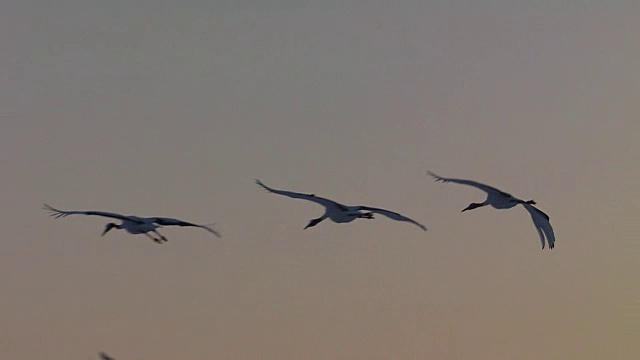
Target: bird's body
{"type": "Point", "coordinates": [502, 200]}
{"type": "Point", "coordinates": [133, 224]}
{"type": "Point", "coordinates": [340, 213]}
{"type": "Point", "coordinates": [138, 226]}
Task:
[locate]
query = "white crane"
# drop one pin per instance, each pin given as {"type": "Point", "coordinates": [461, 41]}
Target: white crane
{"type": "Point", "coordinates": [133, 224]}
{"type": "Point", "coordinates": [501, 200]}
{"type": "Point", "coordinates": [340, 213]}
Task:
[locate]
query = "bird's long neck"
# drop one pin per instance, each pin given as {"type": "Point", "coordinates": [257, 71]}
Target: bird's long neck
{"type": "Point", "coordinates": [113, 226]}
{"type": "Point", "coordinates": [476, 205]}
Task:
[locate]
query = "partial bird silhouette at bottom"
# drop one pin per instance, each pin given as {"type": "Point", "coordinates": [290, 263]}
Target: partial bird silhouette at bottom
{"type": "Point", "coordinates": [104, 356]}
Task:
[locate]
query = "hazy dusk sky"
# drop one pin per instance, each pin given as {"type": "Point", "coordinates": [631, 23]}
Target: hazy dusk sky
{"type": "Point", "coordinates": [159, 108]}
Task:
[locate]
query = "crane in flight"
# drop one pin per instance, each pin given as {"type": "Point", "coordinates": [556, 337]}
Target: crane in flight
{"type": "Point", "coordinates": [340, 213]}
{"type": "Point", "coordinates": [502, 200]}
{"type": "Point", "coordinates": [132, 224]}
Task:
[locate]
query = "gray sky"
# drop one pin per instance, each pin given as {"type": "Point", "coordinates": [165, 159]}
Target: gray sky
{"type": "Point", "coordinates": [165, 110]}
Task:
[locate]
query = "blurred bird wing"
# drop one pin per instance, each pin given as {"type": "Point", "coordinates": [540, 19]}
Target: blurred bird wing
{"type": "Point", "coordinates": [175, 222]}
{"type": "Point", "coordinates": [486, 188]}
{"type": "Point", "coordinates": [392, 215]}
{"type": "Point", "coordinates": [311, 197]}
{"type": "Point", "coordinates": [61, 213]}
{"type": "Point", "coordinates": [542, 224]}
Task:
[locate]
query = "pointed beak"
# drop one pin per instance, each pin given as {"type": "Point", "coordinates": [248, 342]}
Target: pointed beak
{"type": "Point", "coordinates": [107, 228]}
{"type": "Point", "coordinates": [471, 207]}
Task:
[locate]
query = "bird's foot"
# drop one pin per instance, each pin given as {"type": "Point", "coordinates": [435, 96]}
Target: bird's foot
{"type": "Point", "coordinates": [158, 241]}
{"type": "Point", "coordinates": [367, 216]}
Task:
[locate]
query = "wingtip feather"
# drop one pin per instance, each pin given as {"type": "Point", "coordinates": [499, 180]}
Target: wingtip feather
{"type": "Point", "coordinates": [435, 176]}
{"type": "Point", "coordinates": [263, 186]}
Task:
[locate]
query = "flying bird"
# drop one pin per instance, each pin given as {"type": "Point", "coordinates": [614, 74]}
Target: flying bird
{"type": "Point", "coordinates": [133, 224]}
{"type": "Point", "coordinates": [502, 200]}
{"type": "Point", "coordinates": [340, 213]}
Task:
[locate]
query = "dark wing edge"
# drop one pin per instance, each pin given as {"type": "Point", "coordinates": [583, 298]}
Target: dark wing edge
{"type": "Point", "coordinates": [392, 215]}
{"type": "Point", "coordinates": [175, 222]}
{"type": "Point", "coordinates": [478, 185]}
{"type": "Point", "coordinates": [295, 195]}
{"type": "Point", "coordinates": [56, 213]}
{"type": "Point", "coordinates": [542, 224]}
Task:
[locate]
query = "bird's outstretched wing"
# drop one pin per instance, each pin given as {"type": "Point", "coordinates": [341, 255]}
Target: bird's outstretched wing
{"type": "Point", "coordinates": [392, 215]}
{"type": "Point", "coordinates": [175, 222]}
{"type": "Point", "coordinates": [486, 188]}
{"type": "Point", "coordinates": [311, 197]}
{"type": "Point", "coordinates": [61, 213]}
{"type": "Point", "coordinates": [542, 224]}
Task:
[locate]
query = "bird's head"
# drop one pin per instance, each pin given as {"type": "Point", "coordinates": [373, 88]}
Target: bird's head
{"type": "Point", "coordinates": [109, 227]}
{"type": "Point", "coordinates": [472, 206]}
{"type": "Point", "coordinates": [313, 222]}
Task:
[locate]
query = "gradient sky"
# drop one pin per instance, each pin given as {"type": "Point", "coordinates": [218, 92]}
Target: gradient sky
{"type": "Point", "coordinates": [156, 109]}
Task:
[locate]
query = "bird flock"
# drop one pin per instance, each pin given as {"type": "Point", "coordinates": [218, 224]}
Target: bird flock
{"type": "Point", "coordinates": [334, 211]}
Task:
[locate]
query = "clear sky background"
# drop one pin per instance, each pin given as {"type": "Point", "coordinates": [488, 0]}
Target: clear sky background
{"type": "Point", "coordinates": [158, 109]}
